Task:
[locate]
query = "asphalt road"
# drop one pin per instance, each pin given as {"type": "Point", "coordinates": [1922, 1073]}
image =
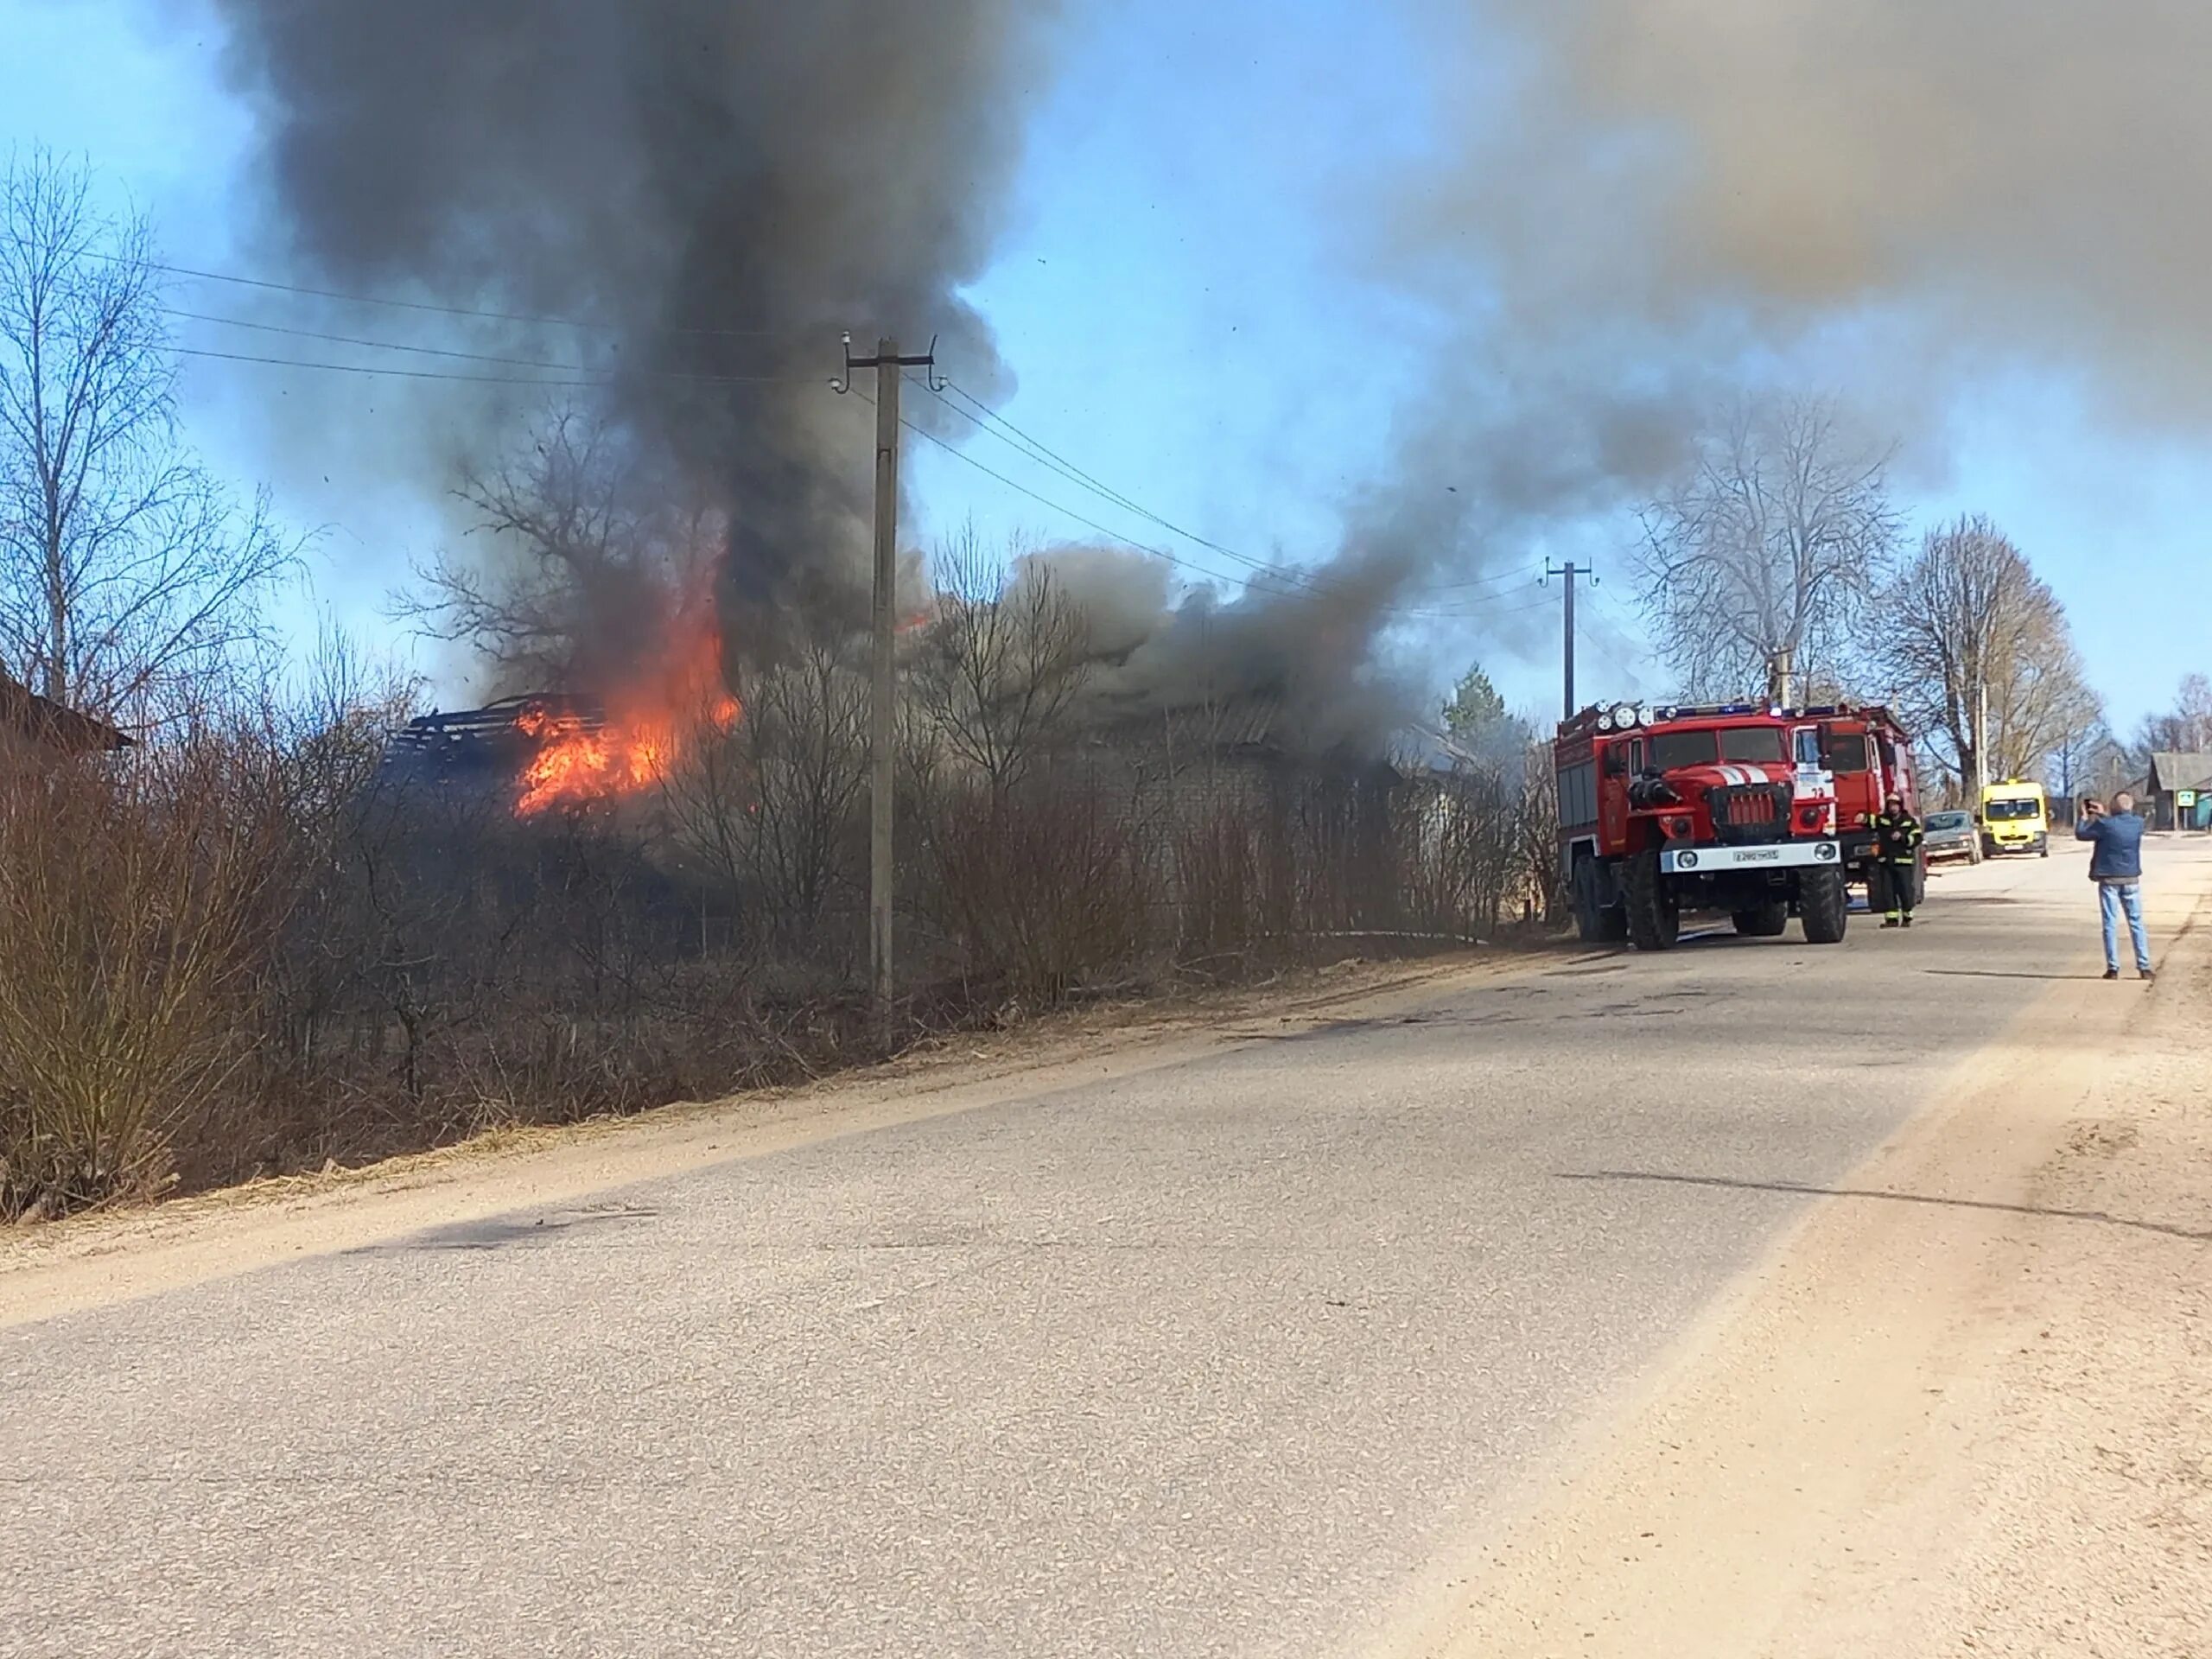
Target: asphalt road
{"type": "Point", "coordinates": [1206, 1360]}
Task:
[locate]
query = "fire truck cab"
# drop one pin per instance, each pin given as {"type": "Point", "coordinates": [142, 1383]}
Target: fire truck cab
{"type": "Point", "coordinates": [1870, 753]}
{"type": "Point", "coordinates": [1727, 807]}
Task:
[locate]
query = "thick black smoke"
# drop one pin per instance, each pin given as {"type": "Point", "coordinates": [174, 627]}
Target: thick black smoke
{"type": "Point", "coordinates": [717, 186]}
{"type": "Point", "coordinates": [1293, 658]}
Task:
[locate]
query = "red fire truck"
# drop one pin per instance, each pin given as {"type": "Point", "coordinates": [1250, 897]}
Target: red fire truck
{"type": "Point", "coordinates": [1757, 811]}
{"type": "Point", "coordinates": [1869, 752]}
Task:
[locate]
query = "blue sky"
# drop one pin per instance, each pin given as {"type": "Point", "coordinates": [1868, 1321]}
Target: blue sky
{"type": "Point", "coordinates": [1184, 290]}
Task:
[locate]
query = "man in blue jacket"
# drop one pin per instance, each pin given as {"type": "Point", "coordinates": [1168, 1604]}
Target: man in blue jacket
{"type": "Point", "coordinates": [2116, 866]}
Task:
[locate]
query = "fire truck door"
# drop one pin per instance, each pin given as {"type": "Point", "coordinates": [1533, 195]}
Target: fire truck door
{"type": "Point", "coordinates": [1613, 795]}
{"type": "Point", "coordinates": [1811, 779]}
{"type": "Point", "coordinates": [1850, 758]}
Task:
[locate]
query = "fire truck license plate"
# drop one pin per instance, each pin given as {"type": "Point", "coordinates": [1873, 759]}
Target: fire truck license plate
{"type": "Point", "coordinates": [1700, 861]}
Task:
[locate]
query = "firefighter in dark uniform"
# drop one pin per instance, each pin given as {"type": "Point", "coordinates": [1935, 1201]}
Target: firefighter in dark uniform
{"type": "Point", "coordinates": [1897, 850]}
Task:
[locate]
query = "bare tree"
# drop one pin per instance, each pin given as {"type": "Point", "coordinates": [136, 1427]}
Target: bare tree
{"type": "Point", "coordinates": [123, 566]}
{"type": "Point", "coordinates": [585, 555]}
{"type": "Point", "coordinates": [1971, 633]}
{"type": "Point", "coordinates": [2094, 762]}
{"type": "Point", "coordinates": [767, 803]}
{"type": "Point", "coordinates": [1002, 661]}
{"type": "Point", "coordinates": [1763, 561]}
{"type": "Point", "coordinates": [2186, 727]}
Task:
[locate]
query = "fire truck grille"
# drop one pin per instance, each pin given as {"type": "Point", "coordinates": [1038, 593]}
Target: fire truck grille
{"type": "Point", "coordinates": [1749, 812]}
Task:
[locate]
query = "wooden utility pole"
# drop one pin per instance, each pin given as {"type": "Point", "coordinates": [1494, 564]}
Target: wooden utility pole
{"type": "Point", "coordinates": [1570, 570]}
{"type": "Point", "coordinates": [883, 704]}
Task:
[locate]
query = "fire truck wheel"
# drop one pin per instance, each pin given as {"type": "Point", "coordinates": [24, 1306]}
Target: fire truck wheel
{"type": "Point", "coordinates": [1655, 913]}
{"type": "Point", "coordinates": [1766, 922]}
{"type": "Point", "coordinates": [1586, 919]}
{"type": "Point", "coordinates": [1823, 905]}
{"type": "Point", "coordinates": [1594, 923]}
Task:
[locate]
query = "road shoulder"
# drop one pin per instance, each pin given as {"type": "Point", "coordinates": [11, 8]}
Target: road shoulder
{"type": "Point", "coordinates": [99, 1260]}
{"type": "Point", "coordinates": [1963, 1407]}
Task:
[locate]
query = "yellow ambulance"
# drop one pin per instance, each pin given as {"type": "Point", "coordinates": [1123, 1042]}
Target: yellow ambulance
{"type": "Point", "coordinates": [2015, 818]}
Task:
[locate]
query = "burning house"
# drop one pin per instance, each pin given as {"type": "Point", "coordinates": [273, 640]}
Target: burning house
{"type": "Point", "coordinates": [489, 751]}
{"type": "Point", "coordinates": [552, 749]}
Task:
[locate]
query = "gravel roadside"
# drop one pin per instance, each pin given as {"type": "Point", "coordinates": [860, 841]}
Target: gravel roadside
{"type": "Point", "coordinates": [1965, 1408]}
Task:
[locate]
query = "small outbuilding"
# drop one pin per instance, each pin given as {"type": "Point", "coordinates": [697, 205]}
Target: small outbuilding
{"type": "Point", "coordinates": [2179, 790]}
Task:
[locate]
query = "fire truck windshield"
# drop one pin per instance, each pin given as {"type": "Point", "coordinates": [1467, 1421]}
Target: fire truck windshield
{"type": "Point", "coordinates": [1753, 745]}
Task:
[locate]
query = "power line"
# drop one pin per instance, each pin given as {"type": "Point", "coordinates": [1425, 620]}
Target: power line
{"type": "Point", "coordinates": [1037, 450]}
{"type": "Point", "coordinates": [1527, 572]}
{"type": "Point", "coordinates": [375, 345]}
{"type": "Point", "coordinates": [609, 374]}
{"type": "Point", "coordinates": [983, 415]}
{"type": "Point", "coordinates": [1064, 508]}
{"type": "Point", "coordinates": [1182, 563]}
{"type": "Point", "coordinates": [473, 380]}
{"type": "Point", "coordinates": [539, 319]}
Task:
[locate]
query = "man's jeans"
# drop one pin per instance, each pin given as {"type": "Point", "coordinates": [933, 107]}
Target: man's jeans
{"type": "Point", "coordinates": [2112, 898]}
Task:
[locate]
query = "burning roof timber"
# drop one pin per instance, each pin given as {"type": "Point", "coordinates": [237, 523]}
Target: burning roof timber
{"type": "Point", "coordinates": [490, 738]}
{"type": "Point", "coordinates": [553, 748]}
{"type": "Point", "coordinates": [490, 748]}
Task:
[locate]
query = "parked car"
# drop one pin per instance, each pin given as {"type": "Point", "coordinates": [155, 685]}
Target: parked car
{"type": "Point", "coordinates": [1951, 835]}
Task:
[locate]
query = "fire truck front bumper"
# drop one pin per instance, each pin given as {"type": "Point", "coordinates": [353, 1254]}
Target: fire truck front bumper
{"type": "Point", "coordinates": [1774, 855]}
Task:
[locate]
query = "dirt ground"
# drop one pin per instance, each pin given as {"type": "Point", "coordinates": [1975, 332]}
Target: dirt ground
{"type": "Point", "coordinates": [96, 1259]}
{"type": "Point", "coordinates": [1965, 1409]}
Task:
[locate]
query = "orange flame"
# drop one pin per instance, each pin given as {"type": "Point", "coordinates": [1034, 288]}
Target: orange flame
{"type": "Point", "coordinates": [647, 728]}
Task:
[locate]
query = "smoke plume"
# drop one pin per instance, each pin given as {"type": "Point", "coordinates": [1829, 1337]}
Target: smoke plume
{"type": "Point", "coordinates": [1293, 660]}
{"type": "Point", "coordinates": [716, 188]}
{"type": "Point", "coordinates": [1646, 205]}
{"type": "Point", "coordinates": [2027, 178]}
{"type": "Point", "coordinates": [1641, 214]}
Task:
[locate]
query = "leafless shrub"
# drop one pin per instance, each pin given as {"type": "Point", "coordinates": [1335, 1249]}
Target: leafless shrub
{"type": "Point", "coordinates": [140, 893]}
{"type": "Point", "coordinates": [1001, 664]}
{"type": "Point", "coordinates": [1540, 851]}
{"type": "Point", "coordinates": [1220, 906]}
{"type": "Point", "coordinates": [769, 805]}
{"type": "Point", "coordinates": [1037, 889]}
{"type": "Point", "coordinates": [1464, 849]}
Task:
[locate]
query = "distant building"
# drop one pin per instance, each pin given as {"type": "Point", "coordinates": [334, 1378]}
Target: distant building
{"type": "Point", "coordinates": [2178, 793]}
{"type": "Point", "coordinates": [29, 718]}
